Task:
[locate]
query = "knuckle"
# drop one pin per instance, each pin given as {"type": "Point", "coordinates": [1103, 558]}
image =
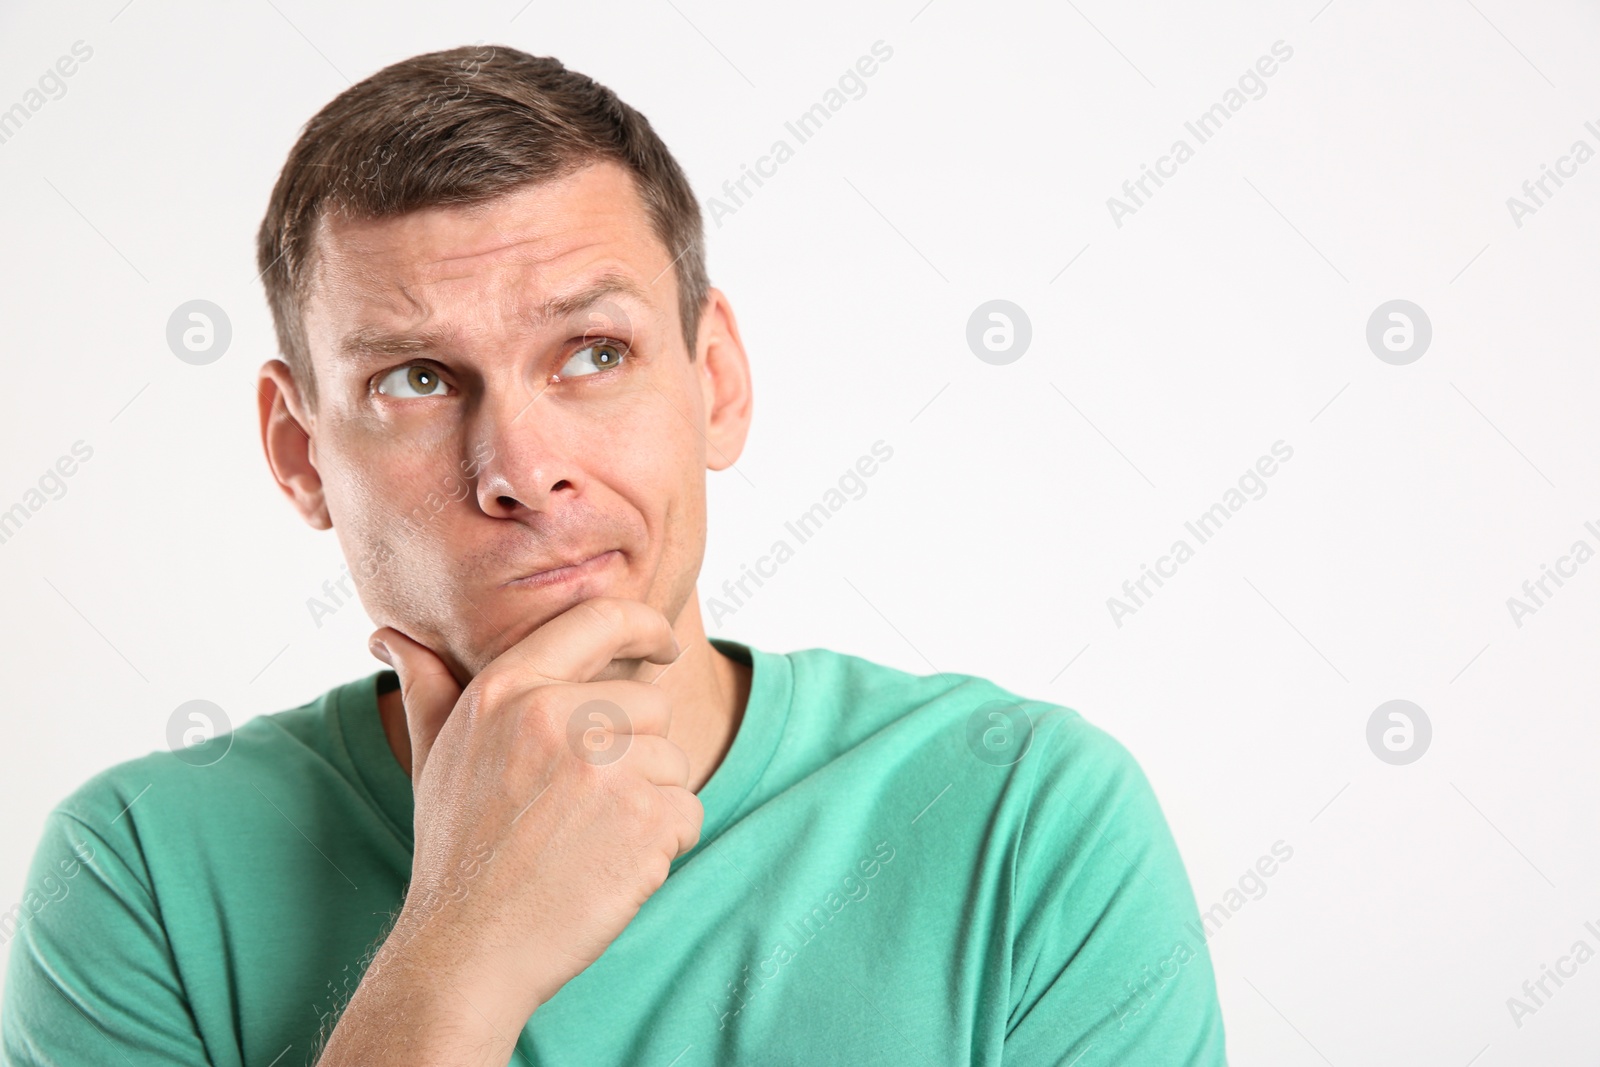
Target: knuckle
{"type": "Point", "coordinates": [654, 867]}
{"type": "Point", "coordinates": [473, 705]}
{"type": "Point", "coordinates": [586, 781]}
{"type": "Point", "coordinates": [636, 804]}
{"type": "Point", "coordinates": [692, 811]}
{"type": "Point", "coordinates": [540, 731]}
{"type": "Point", "coordinates": [538, 726]}
{"type": "Point", "coordinates": [492, 688]}
{"type": "Point", "coordinates": [537, 734]}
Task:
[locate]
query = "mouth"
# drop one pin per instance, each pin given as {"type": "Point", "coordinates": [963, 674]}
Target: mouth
{"type": "Point", "coordinates": [566, 572]}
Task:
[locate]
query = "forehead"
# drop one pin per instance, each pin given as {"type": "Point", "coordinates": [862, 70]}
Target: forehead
{"type": "Point", "coordinates": [537, 238]}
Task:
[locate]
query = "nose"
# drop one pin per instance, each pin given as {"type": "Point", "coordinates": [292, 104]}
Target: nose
{"type": "Point", "coordinates": [529, 456]}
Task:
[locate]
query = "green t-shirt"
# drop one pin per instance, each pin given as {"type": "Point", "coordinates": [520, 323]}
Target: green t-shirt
{"type": "Point", "coordinates": [893, 869]}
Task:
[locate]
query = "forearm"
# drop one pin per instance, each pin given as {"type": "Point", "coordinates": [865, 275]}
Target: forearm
{"type": "Point", "coordinates": [407, 1012]}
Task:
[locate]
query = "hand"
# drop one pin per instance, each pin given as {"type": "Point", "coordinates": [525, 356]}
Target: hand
{"type": "Point", "coordinates": [548, 804]}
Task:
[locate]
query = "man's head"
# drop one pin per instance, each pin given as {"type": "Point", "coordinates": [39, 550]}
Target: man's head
{"type": "Point", "coordinates": [461, 127]}
{"type": "Point", "coordinates": [487, 277]}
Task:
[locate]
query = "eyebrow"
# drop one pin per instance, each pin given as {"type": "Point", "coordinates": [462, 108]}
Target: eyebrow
{"type": "Point", "coordinates": [369, 341]}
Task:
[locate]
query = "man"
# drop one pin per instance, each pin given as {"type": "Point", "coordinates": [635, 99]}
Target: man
{"type": "Point", "coordinates": [567, 827]}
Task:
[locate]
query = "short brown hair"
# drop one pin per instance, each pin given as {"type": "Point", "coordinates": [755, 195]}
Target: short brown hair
{"type": "Point", "coordinates": [459, 127]}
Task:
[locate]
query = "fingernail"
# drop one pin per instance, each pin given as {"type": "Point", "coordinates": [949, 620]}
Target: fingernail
{"type": "Point", "coordinates": [380, 650]}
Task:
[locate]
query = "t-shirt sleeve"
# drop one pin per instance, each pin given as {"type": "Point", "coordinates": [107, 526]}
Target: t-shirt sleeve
{"type": "Point", "coordinates": [90, 976]}
{"type": "Point", "coordinates": [1109, 960]}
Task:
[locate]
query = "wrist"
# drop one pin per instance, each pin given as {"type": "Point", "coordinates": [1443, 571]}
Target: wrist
{"type": "Point", "coordinates": [426, 963]}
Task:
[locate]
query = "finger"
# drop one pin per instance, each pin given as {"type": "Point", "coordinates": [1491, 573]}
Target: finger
{"type": "Point", "coordinates": [427, 689]}
{"type": "Point", "coordinates": [582, 641]}
{"type": "Point", "coordinates": [655, 678]}
{"type": "Point", "coordinates": [621, 707]}
{"type": "Point", "coordinates": [689, 815]}
{"type": "Point", "coordinates": [628, 757]}
{"type": "Point", "coordinates": [656, 760]}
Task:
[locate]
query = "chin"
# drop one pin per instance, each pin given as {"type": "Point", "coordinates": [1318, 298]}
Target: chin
{"type": "Point", "coordinates": [509, 614]}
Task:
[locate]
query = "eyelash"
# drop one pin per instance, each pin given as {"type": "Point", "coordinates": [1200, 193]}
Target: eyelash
{"type": "Point", "coordinates": [590, 342]}
{"type": "Point", "coordinates": [576, 345]}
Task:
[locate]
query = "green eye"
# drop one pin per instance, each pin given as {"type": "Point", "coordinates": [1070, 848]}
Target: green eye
{"type": "Point", "coordinates": [602, 355]}
{"type": "Point", "coordinates": [417, 380]}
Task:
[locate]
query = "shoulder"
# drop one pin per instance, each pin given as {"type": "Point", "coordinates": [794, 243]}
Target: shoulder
{"type": "Point", "coordinates": [845, 678]}
{"type": "Point", "coordinates": [1095, 831]}
{"type": "Point", "coordinates": [1080, 760]}
{"type": "Point", "coordinates": [1026, 746]}
{"type": "Point", "coordinates": [197, 782]}
{"type": "Point", "coordinates": [1107, 931]}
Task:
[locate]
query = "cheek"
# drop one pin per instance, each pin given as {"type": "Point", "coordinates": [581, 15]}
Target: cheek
{"type": "Point", "coordinates": [390, 506]}
{"type": "Point", "coordinates": [383, 470]}
{"type": "Point", "coordinates": [367, 487]}
{"type": "Point", "coordinates": [673, 502]}
{"type": "Point", "coordinates": [655, 457]}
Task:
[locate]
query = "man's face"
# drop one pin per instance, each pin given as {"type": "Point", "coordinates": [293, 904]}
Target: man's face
{"type": "Point", "coordinates": [503, 389]}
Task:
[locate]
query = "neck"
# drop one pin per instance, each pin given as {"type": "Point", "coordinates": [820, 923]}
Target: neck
{"type": "Point", "coordinates": [708, 692]}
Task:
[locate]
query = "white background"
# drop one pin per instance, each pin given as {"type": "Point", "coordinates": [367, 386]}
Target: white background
{"type": "Point", "coordinates": [1228, 313]}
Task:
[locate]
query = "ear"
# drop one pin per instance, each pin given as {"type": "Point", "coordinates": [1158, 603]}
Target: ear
{"type": "Point", "coordinates": [286, 438]}
{"type": "Point", "coordinates": [724, 382]}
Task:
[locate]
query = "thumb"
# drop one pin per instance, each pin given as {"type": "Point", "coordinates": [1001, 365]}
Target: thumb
{"type": "Point", "coordinates": [427, 690]}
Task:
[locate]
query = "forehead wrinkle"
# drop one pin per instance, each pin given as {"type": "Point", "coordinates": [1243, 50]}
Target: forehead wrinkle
{"type": "Point", "coordinates": [515, 277]}
{"type": "Point", "coordinates": [534, 243]}
{"type": "Point", "coordinates": [508, 298]}
{"type": "Point", "coordinates": [506, 246]}
{"type": "Point", "coordinates": [373, 339]}
{"type": "Point", "coordinates": [565, 305]}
